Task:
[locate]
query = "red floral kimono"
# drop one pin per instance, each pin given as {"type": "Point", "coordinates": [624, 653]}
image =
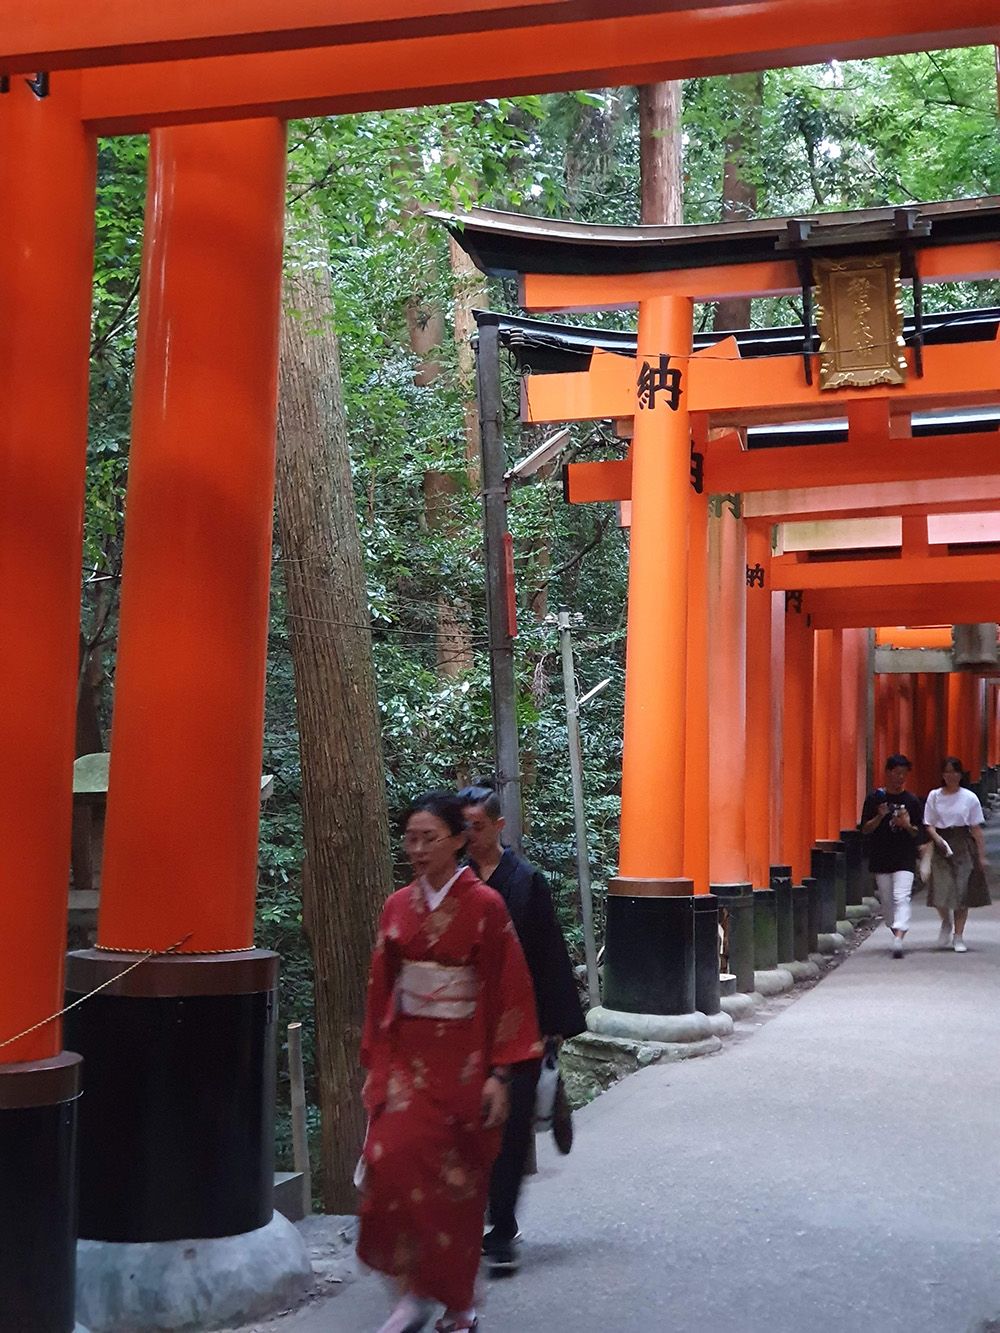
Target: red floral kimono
{"type": "Point", "coordinates": [449, 997]}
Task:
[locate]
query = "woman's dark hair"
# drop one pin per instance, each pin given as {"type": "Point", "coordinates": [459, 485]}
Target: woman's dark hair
{"type": "Point", "coordinates": [956, 765]}
{"type": "Point", "coordinates": [445, 805]}
{"type": "Point", "coordinates": [482, 793]}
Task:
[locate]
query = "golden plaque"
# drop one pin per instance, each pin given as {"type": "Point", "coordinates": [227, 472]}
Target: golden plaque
{"type": "Point", "coordinates": [860, 322]}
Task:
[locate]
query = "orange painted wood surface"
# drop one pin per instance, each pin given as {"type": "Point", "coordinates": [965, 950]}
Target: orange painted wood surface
{"type": "Point", "coordinates": [762, 389]}
{"type": "Point", "coordinates": [865, 574]}
{"type": "Point", "coordinates": [914, 604]}
{"type": "Point", "coordinates": [595, 51]}
{"type": "Point", "coordinates": [47, 177]}
{"type": "Point", "coordinates": [696, 745]}
{"type": "Point", "coordinates": [655, 684]}
{"type": "Point", "coordinates": [758, 695]}
{"type": "Point", "coordinates": [184, 798]}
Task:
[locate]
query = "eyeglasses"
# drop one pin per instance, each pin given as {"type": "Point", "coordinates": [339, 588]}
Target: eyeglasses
{"type": "Point", "coordinates": [412, 841]}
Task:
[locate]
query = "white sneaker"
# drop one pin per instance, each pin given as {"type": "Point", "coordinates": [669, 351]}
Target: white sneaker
{"type": "Point", "coordinates": [960, 945]}
{"type": "Point", "coordinates": [944, 936]}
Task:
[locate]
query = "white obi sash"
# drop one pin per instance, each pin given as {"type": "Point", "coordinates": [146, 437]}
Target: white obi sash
{"type": "Point", "coordinates": [433, 990]}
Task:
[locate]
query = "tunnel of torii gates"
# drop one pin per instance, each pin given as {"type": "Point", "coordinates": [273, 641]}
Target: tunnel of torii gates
{"type": "Point", "coordinates": [174, 1138]}
{"type": "Point", "coordinates": [789, 491]}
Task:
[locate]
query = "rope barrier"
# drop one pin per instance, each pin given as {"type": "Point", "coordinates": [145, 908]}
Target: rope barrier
{"type": "Point", "coordinates": [52, 1018]}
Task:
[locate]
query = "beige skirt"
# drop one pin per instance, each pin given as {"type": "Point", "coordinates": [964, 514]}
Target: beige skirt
{"type": "Point", "coordinates": [957, 881]}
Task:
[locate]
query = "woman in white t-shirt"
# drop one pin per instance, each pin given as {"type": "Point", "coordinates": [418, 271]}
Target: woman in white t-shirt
{"type": "Point", "coordinates": [954, 819]}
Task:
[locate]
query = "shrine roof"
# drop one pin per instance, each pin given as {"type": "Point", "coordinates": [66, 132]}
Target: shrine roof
{"type": "Point", "coordinates": [511, 244]}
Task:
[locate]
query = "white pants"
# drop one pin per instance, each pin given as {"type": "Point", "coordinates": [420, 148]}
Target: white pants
{"type": "Point", "coordinates": [894, 889]}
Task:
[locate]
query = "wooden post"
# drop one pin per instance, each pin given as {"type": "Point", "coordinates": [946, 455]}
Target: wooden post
{"type": "Point", "coordinates": [697, 818]}
{"type": "Point", "coordinates": [656, 661]}
{"type": "Point", "coordinates": [184, 789]}
{"type": "Point", "coordinates": [758, 696]}
{"type": "Point", "coordinates": [796, 758]}
{"type": "Point", "coordinates": [47, 174]}
{"type": "Point", "coordinates": [727, 683]}
{"type": "Point", "coordinates": [300, 1132]}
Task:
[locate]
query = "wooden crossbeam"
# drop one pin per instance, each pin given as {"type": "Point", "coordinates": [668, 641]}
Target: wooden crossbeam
{"type": "Point", "coordinates": [592, 50]}
{"type": "Point", "coordinates": [557, 293]}
{"type": "Point", "coordinates": [764, 389]}
{"type": "Point", "coordinates": [847, 608]}
{"type": "Point", "coordinates": [788, 573]}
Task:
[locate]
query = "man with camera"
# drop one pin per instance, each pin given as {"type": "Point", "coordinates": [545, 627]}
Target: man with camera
{"type": "Point", "coordinates": [892, 823]}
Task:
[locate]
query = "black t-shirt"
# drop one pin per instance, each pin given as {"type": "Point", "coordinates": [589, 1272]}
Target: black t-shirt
{"type": "Point", "coordinates": [893, 848]}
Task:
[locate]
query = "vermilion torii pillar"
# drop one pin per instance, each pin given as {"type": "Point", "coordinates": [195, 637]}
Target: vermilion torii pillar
{"type": "Point", "coordinates": [177, 1126]}
{"type": "Point", "coordinates": [758, 696]}
{"type": "Point", "coordinates": [652, 848]}
{"type": "Point", "coordinates": [727, 675]}
{"type": "Point", "coordinates": [47, 177]}
{"type": "Point", "coordinates": [797, 740]}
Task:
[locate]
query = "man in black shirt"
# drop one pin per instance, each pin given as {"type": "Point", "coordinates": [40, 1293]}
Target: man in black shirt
{"type": "Point", "coordinates": [892, 823]}
{"type": "Point", "coordinates": [560, 1015]}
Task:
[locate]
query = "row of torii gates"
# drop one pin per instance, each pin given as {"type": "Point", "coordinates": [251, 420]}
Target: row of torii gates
{"type": "Point", "coordinates": [173, 1133]}
{"type": "Point", "coordinates": [789, 493]}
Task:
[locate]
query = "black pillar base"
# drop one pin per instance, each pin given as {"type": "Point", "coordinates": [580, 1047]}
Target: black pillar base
{"type": "Point", "coordinates": [736, 916]}
{"type": "Point", "coordinates": [800, 922]}
{"type": "Point", "coordinates": [839, 851]}
{"type": "Point", "coordinates": [649, 949]}
{"type": "Point", "coordinates": [38, 1121]}
{"type": "Point", "coordinates": [812, 889]}
{"type": "Point", "coordinates": [824, 868]}
{"type": "Point", "coordinates": [177, 1125]}
{"type": "Point", "coordinates": [707, 993]}
{"type": "Point", "coordinates": [855, 866]}
{"type": "Point", "coordinates": [765, 930]}
{"type": "Point", "coordinates": [781, 884]}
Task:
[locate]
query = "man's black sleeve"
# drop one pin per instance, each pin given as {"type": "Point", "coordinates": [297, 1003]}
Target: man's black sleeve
{"type": "Point", "coordinates": [559, 1011]}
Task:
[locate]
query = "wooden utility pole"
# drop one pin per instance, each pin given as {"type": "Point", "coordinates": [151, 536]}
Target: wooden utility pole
{"type": "Point", "coordinates": [579, 815]}
{"type": "Point", "coordinates": [499, 584]}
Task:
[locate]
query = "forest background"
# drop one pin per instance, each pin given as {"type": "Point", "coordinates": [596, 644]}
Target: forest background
{"type": "Point", "coordinates": [389, 291]}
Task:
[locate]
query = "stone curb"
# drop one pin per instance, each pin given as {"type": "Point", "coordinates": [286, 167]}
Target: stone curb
{"type": "Point", "coordinates": [801, 970]}
{"type": "Point", "coordinates": [742, 1005]}
{"type": "Point", "coordinates": [773, 981]}
{"type": "Point", "coordinates": [664, 1028]}
{"type": "Point", "coordinates": [191, 1284]}
{"type": "Point", "coordinates": [832, 943]}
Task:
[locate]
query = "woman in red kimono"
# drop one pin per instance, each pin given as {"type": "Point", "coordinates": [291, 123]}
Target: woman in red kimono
{"type": "Point", "coordinates": [450, 1009]}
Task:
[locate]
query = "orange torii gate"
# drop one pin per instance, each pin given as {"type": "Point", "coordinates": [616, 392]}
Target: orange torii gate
{"type": "Point", "coordinates": [214, 83]}
{"type": "Point", "coordinates": [685, 412]}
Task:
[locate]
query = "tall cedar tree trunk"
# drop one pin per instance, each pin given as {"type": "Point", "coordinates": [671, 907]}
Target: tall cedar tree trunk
{"type": "Point", "coordinates": [426, 327]}
{"type": "Point", "coordinates": [739, 193]}
{"type": "Point", "coordinates": [347, 871]}
{"type": "Point", "coordinates": [660, 107]}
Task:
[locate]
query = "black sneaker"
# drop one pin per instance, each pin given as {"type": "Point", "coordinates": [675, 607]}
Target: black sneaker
{"type": "Point", "coordinates": [502, 1253]}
